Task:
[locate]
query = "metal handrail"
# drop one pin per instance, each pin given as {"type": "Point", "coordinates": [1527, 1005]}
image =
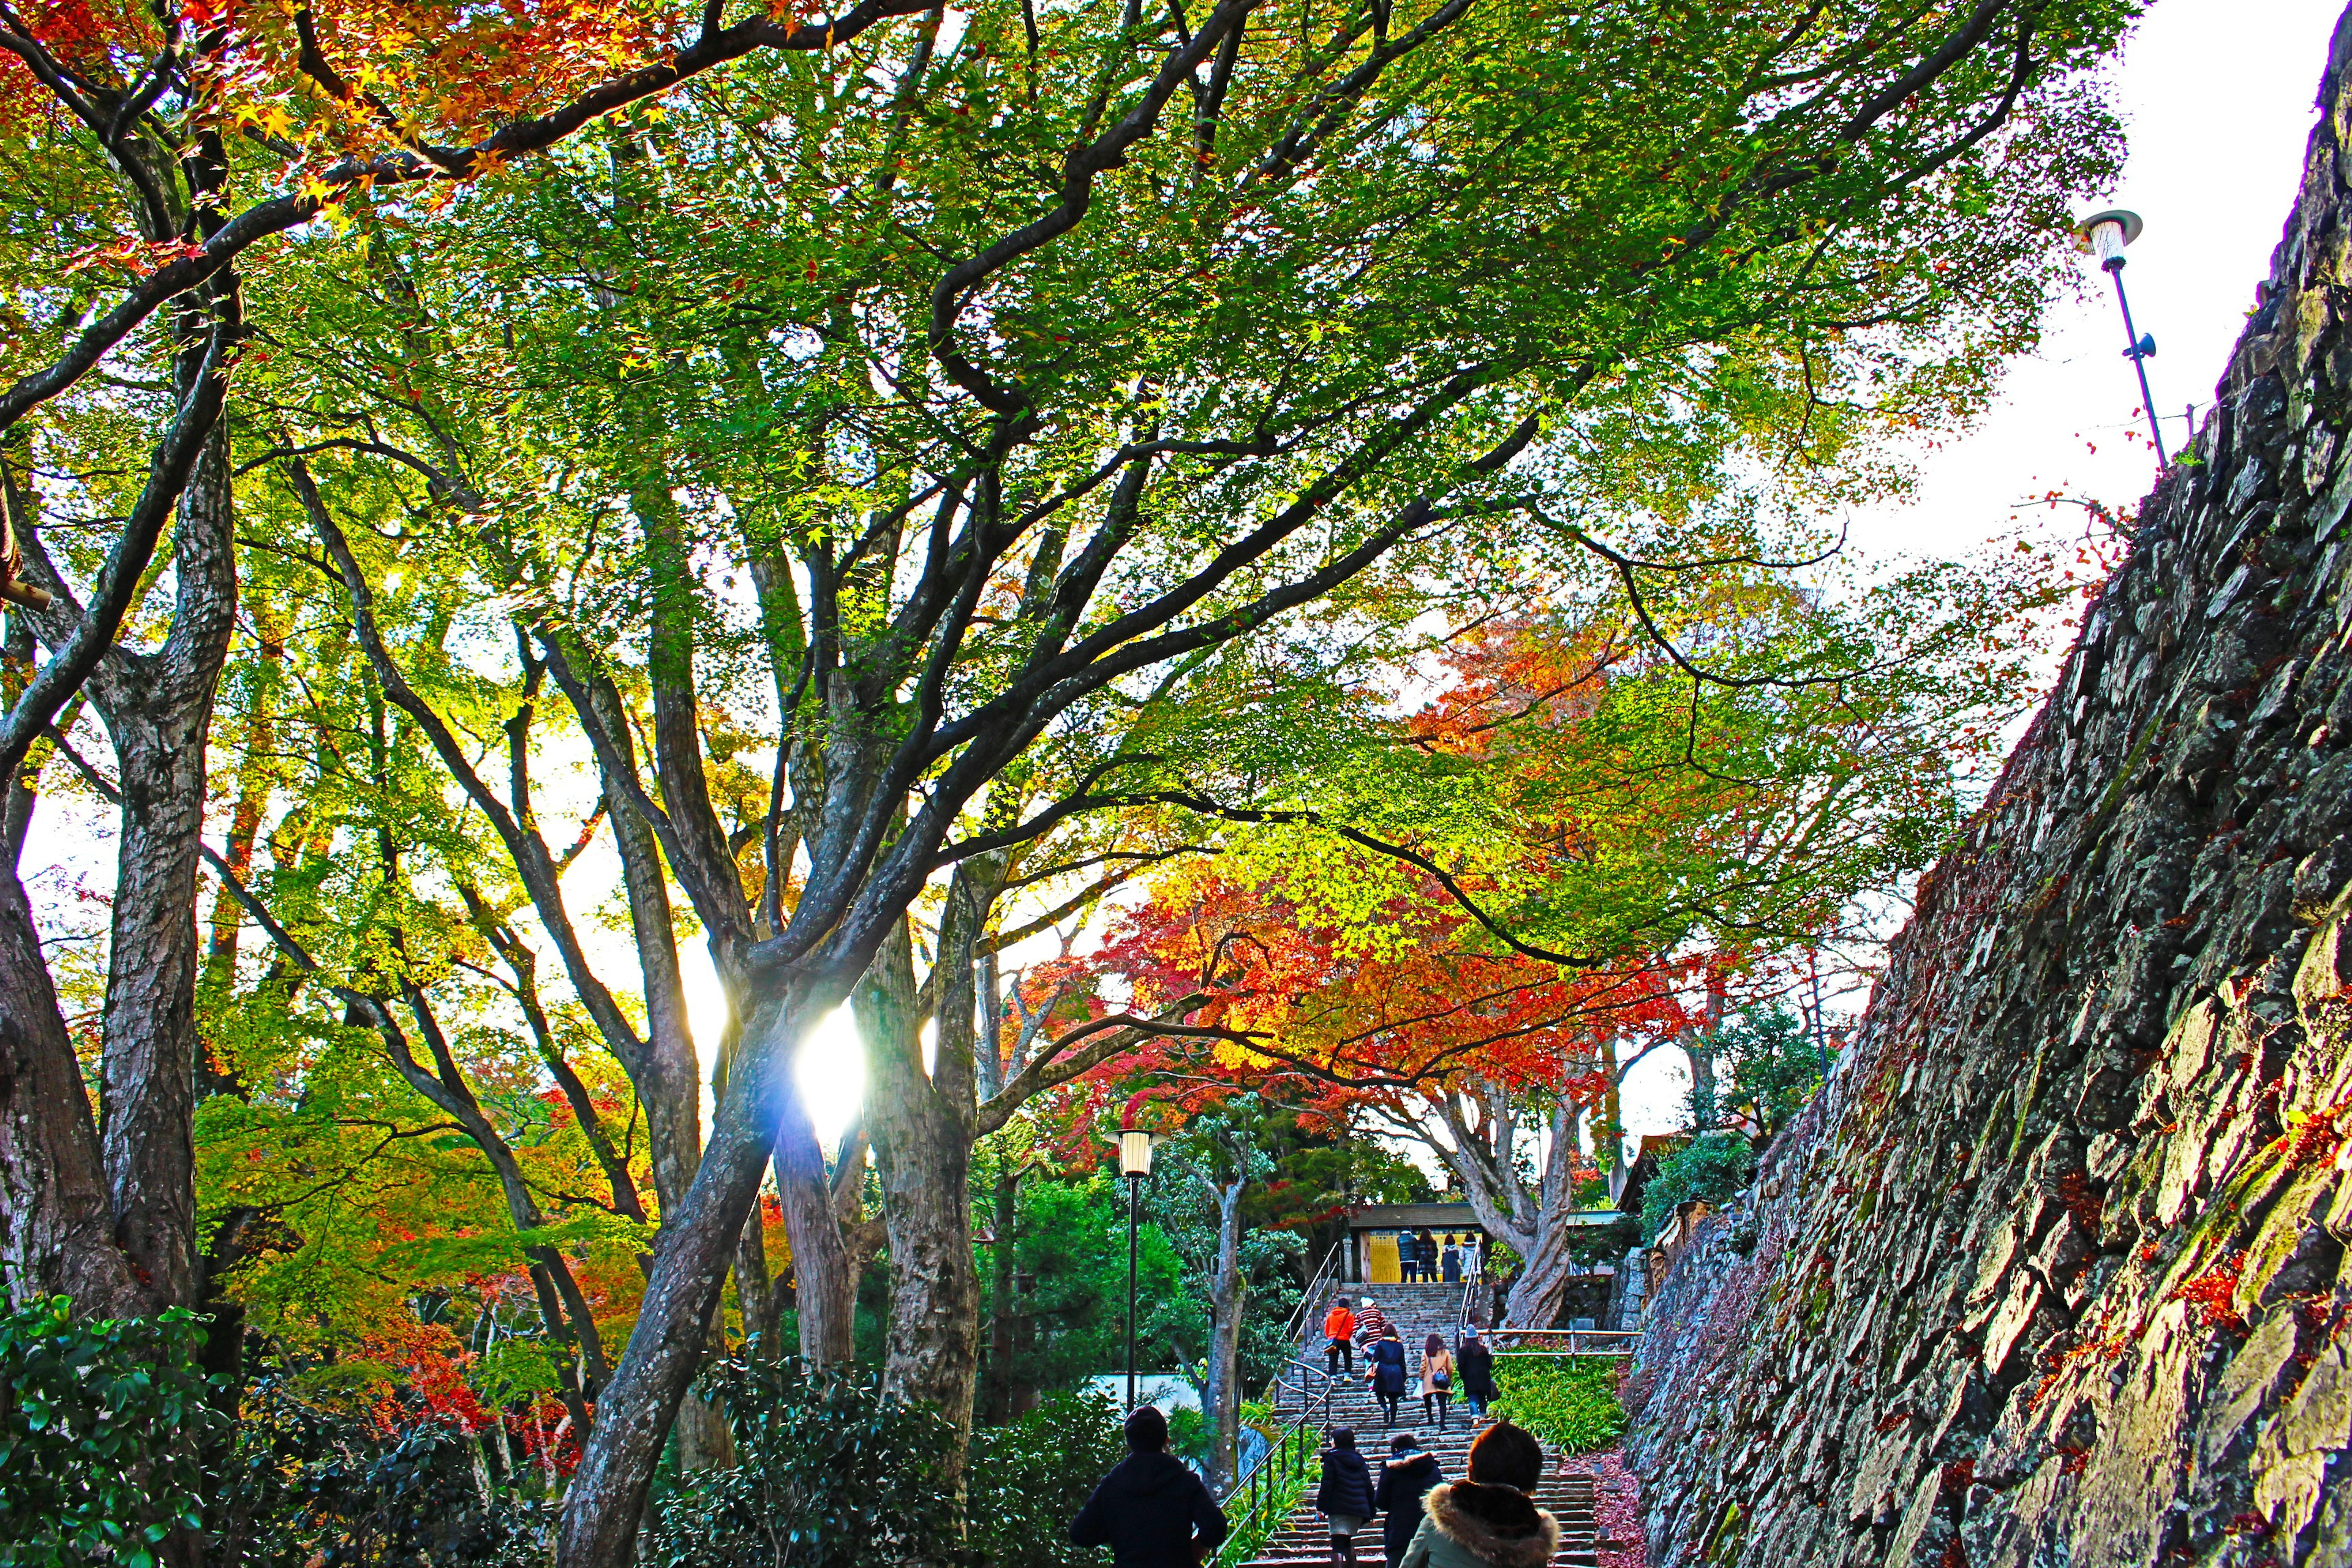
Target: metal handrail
{"type": "Point", "coordinates": [1283, 1458]}
{"type": "Point", "coordinates": [1295, 1328]}
{"type": "Point", "coordinates": [1295, 1331]}
{"type": "Point", "coordinates": [1580, 1341]}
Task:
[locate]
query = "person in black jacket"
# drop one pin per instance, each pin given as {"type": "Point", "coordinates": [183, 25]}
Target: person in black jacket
{"type": "Point", "coordinates": [1345, 1497]}
{"type": "Point", "coordinates": [1410, 1472]}
{"type": "Point", "coordinates": [1476, 1363]}
{"type": "Point", "coordinates": [1151, 1510]}
{"type": "Point", "coordinates": [1384, 1358]}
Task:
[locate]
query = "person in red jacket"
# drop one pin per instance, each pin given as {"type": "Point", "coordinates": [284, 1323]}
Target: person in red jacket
{"type": "Point", "coordinates": [1339, 1337]}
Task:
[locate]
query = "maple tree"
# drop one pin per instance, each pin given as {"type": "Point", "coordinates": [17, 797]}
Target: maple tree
{"type": "Point", "coordinates": [1462, 955]}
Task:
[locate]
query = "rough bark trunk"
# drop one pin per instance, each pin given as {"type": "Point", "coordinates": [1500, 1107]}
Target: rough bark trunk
{"type": "Point", "coordinates": [753, 1296]}
{"type": "Point", "coordinates": [56, 1227]}
{"type": "Point", "coordinates": [923, 1147]}
{"type": "Point", "coordinates": [1534, 1223]}
{"type": "Point", "coordinates": [668, 1076]}
{"type": "Point", "coordinates": [824, 1272]}
{"type": "Point", "coordinates": [1227, 1295]}
{"type": "Point", "coordinates": [1003, 1306]}
{"type": "Point", "coordinates": [607, 1495]}
{"type": "Point", "coordinates": [1536, 1297]}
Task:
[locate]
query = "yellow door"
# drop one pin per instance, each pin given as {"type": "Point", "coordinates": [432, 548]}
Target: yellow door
{"type": "Point", "coordinates": [1380, 1265]}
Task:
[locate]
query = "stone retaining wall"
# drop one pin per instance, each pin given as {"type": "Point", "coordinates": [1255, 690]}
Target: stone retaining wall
{"type": "Point", "coordinates": [2054, 1273]}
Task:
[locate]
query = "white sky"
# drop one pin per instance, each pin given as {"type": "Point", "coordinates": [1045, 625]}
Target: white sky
{"type": "Point", "coordinates": [2217, 97]}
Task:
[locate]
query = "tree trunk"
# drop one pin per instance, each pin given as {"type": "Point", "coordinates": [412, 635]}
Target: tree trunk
{"type": "Point", "coordinates": [923, 1152]}
{"type": "Point", "coordinates": [1003, 1306]}
{"type": "Point", "coordinates": [668, 1079]}
{"type": "Point", "coordinates": [56, 1228]}
{"type": "Point", "coordinates": [1534, 1223]}
{"type": "Point", "coordinates": [1227, 1294]}
{"type": "Point", "coordinates": [1542, 1285]}
{"type": "Point", "coordinates": [607, 1495]}
{"type": "Point", "coordinates": [825, 1274]}
{"type": "Point", "coordinates": [753, 1296]}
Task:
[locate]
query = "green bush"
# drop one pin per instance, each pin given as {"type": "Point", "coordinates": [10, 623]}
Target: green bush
{"type": "Point", "coordinates": [1570, 1402]}
{"type": "Point", "coordinates": [827, 1475]}
{"type": "Point", "coordinates": [99, 1436]}
{"type": "Point", "coordinates": [1029, 1478]}
{"type": "Point", "coordinates": [311, 1484]}
{"type": "Point", "coordinates": [1712, 1167]}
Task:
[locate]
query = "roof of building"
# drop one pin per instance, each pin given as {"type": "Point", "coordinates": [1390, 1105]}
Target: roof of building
{"type": "Point", "coordinates": [1446, 1216]}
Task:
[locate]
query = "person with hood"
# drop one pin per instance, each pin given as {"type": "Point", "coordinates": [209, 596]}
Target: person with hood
{"type": "Point", "coordinates": [1411, 1471]}
{"type": "Point", "coordinates": [1345, 1497]}
{"type": "Point", "coordinates": [1476, 1364]}
{"type": "Point", "coordinates": [1487, 1521]}
{"type": "Point", "coordinates": [1385, 1370]}
{"type": "Point", "coordinates": [1436, 1377]}
{"type": "Point", "coordinates": [1151, 1510]}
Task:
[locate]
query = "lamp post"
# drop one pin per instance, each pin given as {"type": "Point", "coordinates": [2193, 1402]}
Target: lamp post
{"type": "Point", "coordinates": [2105, 234]}
{"type": "Point", "coordinates": [1135, 1164]}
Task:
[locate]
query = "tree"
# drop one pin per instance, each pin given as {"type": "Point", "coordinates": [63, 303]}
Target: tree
{"type": "Point", "coordinates": [1775, 1066]}
{"type": "Point", "coordinates": [1197, 1196]}
{"type": "Point", "coordinates": [1708, 1170]}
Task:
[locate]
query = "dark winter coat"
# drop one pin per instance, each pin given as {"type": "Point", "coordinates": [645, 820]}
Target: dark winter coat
{"type": "Point", "coordinates": [1403, 1480]}
{"type": "Point", "coordinates": [1346, 1486]}
{"type": "Point", "coordinates": [1465, 1525]}
{"type": "Point", "coordinates": [1476, 1364]}
{"type": "Point", "coordinates": [1387, 1361]}
{"type": "Point", "coordinates": [1151, 1513]}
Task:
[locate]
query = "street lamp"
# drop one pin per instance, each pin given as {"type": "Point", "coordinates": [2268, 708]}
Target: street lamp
{"type": "Point", "coordinates": [2105, 234]}
{"type": "Point", "coordinates": [1135, 1164]}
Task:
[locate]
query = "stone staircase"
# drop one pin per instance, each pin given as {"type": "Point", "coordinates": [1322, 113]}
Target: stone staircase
{"type": "Point", "coordinates": [1418, 1312]}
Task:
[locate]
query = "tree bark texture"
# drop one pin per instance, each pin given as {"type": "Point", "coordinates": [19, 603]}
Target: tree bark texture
{"type": "Point", "coordinates": [1533, 1222]}
{"type": "Point", "coordinates": [607, 1495]}
{"type": "Point", "coordinates": [1002, 1307]}
{"type": "Point", "coordinates": [1228, 1293]}
{"type": "Point", "coordinates": [922, 1145]}
{"type": "Point", "coordinates": [157, 708]}
{"type": "Point", "coordinates": [57, 1224]}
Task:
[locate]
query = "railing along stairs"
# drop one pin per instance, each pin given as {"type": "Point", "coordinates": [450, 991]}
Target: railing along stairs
{"type": "Point", "coordinates": [1260, 1491]}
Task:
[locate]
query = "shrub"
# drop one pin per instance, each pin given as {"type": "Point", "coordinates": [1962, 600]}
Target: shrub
{"type": "Point", "coordinates": [100, 1427]}
{"type": "Point", "coordinates": [1570, 1402]}
{"type": "Point", "coordinates": [1712, 1167]}
{"type": "Point", "coordinates": [1029, 1478]}
{"type": "Point", "coordinates": [313, 1485]}
{"type": "Point", "coordinates": [827, 1475]}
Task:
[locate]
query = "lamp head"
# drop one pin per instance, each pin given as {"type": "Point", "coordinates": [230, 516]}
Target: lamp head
{"type": "Point", "coordinates": [1134, 1151]}
{"type": "Point", "coordinates": [2106, 233]}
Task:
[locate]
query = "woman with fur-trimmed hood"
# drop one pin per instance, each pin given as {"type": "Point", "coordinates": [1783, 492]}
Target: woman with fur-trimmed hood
{"type": "Point", "coordinates": [1487, 1521]}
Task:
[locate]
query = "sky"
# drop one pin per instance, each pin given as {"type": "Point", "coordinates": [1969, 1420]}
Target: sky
{"type": "Point", "coordinates": [2217, 96]}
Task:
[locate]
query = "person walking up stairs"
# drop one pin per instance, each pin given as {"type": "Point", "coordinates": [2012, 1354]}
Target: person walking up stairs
{"type": "Point", "coordinates": [1415, 1312]}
